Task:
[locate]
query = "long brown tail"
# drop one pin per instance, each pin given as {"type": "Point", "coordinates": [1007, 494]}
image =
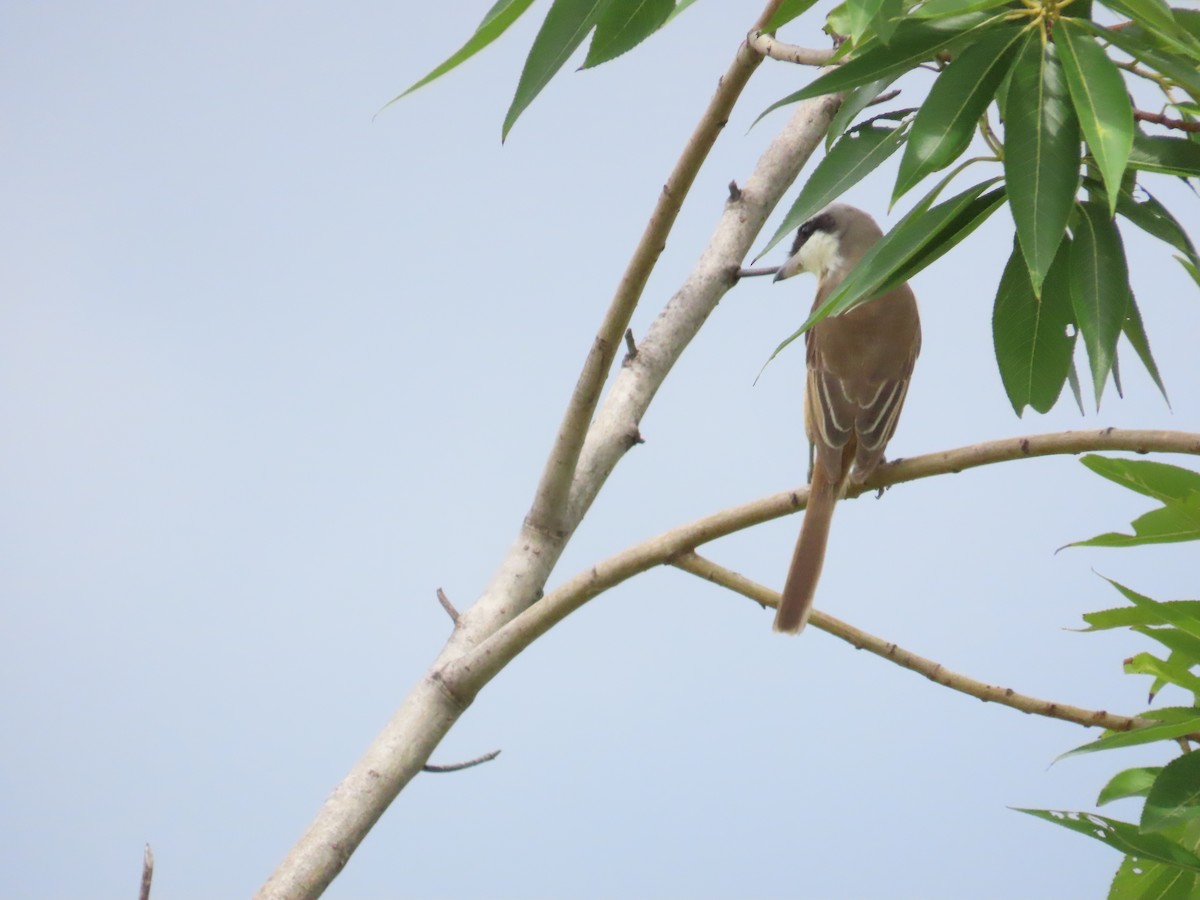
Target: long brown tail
{"type": "Point", "coordinates": [796, 602]}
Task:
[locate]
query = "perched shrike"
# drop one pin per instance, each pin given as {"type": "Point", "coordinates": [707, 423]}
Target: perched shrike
{"type": "Point", "coordinates": [859, 364]}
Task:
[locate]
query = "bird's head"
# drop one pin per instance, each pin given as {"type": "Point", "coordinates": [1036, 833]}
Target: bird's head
{"type": "Point", "coordinates": [830, 241]}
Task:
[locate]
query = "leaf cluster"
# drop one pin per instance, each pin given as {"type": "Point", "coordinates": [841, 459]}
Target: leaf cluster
{"type": "Point", "coordinates": [1162, 850]}
{"type": "Point", "coordinates": [1066, 140]}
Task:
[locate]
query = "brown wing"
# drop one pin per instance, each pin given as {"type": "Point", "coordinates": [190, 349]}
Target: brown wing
{"type": "Point", "coordinates": [859, 365]}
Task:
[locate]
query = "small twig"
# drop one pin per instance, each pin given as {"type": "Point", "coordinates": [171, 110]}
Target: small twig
{"type": "Point", "coordinates": [934, 671]}
{"type": "Point", "coordinates": [1166, 121]}
{"type": "Point", "coordinates": [754, 273]}
{"type": "Point", "coordinates": [147, 873]}
{"type": "Point", "coordinates": [458, 767]}
{"type": "Point", "coordinates": [447, 606]}
{"type": "Point", "coordinates": [765, 44]}
{"type": "Point", "coordinates": [631, 353]}
{"type": "Point", "coordinates": [885, 97]}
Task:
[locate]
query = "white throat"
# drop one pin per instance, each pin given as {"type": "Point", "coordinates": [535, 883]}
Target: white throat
{"type": "Point", "coordinates": [820, 253]}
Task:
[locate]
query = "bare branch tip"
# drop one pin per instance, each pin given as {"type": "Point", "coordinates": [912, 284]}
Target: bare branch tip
{"type": "Point", "coordinates": [458, 767]}
{"type": "Point", "coordinates": [447, 606]}
{"type": "Point", "coordinates": [147, 873]}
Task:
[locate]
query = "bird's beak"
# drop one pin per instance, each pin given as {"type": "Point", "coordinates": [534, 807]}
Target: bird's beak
{"type": "Point", "coordinates": [792, 267]}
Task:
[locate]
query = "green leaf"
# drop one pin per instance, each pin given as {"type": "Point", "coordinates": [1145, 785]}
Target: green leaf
{"type": "Point", "coordinates": [947, 119]}
{"type": "Point", "coordinates": [1184, 647]}
{"type": "Point", "coordinates": [787, 11]}
{"type": "Point", "coordinates": [566, 25]}
{"type": "Point", "coordinates": [1033, 348]}
{"type": "Point", "coordinates": [1167, 155]}
{"type": "Point", "coordinates": [1099, 288]}
{"type": "Point", "coordinates": [1175, 797]}
{"type": "Point", "coordinates": [1122, 836]}
{"type": "Point", "coordinates": [1163, 731]}
{"type": "Point", "coordinates": [1144, 879]}
{"type": "Point", "coordinates": [624, 25]}
{"type": "Point", "coordinates": [888, 19]}
{"type": "Point", "coordinates": [1163, 671]}
{"type": "Point", "coordinates": [939, 9]}
{"type": "Point", "coordinates": [1158, 613]}
{"type": "Point", "coordinates": [1177, 520]}
{"type": "Point", "coordinates": [853, 103]}
{"type": "Point", "coordinates": [1156, 17]}
{"type": "Point", "coordinates": [1076, 391]}
{"type": "Point", "coordinates": [852, 158]}
{"type": "Point", "coordinates": [1101, 103]}
{"type": "Point", "coordinates": [1041, 154]}
{"type": "Point", "coordinates": [1129, 616]}
{"type": "Point", "coordinates": [1135, 332]}
{"type": "Point", "coordinates": [1154, 218]}
{"type": "Point", "coordinates": [494, 24]}
{"type": "Point", "coordinates": [914, 42]}
{"type": "Point", "coordinates": [1130, 783]}
{"type": "Point", "coordinates": [1142, 47]}
{"type": "Point", "coordinates": [1160, 481]}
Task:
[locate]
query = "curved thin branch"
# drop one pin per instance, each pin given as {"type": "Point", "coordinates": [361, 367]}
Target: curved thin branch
{"type": "Point", "coordinates": [549, 510]}
{"type": "Point", "coordinates": [1142, 115]}
{"type": "Point", "coordinates": [765, 44]}
{"type": "Point", "coordinates": [473, 670]}
{"type": "Point", "coordinates": [934, 671]}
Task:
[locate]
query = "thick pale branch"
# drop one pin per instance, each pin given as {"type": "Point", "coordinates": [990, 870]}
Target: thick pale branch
{"type": "Point", "coordinates": [548, 512]}
{"type": "Point", "coordinates": [476, 668]}
{"type": "Point", "coordinates": [766, 44]}
{"type": "Point", "coordinates": [934, 671]}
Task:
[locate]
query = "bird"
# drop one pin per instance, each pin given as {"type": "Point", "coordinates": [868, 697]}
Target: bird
{"type": "Point", "coordinates": [859, 364]}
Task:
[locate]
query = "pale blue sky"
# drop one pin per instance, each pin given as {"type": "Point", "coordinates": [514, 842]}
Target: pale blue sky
{"type": "Point", "coordinates": [272, 371]}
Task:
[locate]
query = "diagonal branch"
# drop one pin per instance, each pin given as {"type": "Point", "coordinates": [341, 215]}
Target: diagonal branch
{"type": "Point", "coordinates": [934, 671]}
{"type": "Point", "coordinates": [476, 668]}
{"type": "Point", "coordinates": [548, 512]}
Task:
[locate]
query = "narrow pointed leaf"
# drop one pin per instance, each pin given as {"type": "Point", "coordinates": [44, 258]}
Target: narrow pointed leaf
{"type": "Point", "coordinates": [1163, 672]}
{"type": "Point", "coordinates": [622, 26]}
{"type": "Point", "coordinates": [1135, 332]}
{"type": "Point", "coordinates": [1161, 731]}
{"type": "Point", "coordinates": [1159, 613]}
{"type": "Point", "coordinates": [1175, 797]}
{"type": "Point", "coordinates": [852, 158]}
{"type": "Point", "coordinates": [946, 121]}
{"type": "Point", "coordinates": [494, 24]}
{"type": "Point", "coordinates": [1131, 616]}
{"type": "Point", "coordinates": [1076, 390]}
{"type": "Point", "coordinates": [1144, 49]}
{"type": "Point", "coordinates": [1130, 783]}
{"type": "Point", "coordinates": [1041, 154]}
{"type": "Point", "coordinates": [566, 25]}
{"type": "Point", "coordinates": [1033, 346]}
{"type": "Point", "coordinates": [1154, 218]}
{"type": "Point", "coordinates": [1101, 103]}
{"type": "Point", "coordinates": [1156, 17]}
{"type": "Point", "coordinates": [1159, 481]}
{"type": "Point", "coordinates": [914, 42]}
{"type": "Point", "coordinates": [787, 11]}
{"type": "Point", "coordinates": [1122, 836]}
{"type": "Point", "coordinates": [1167, 155]}
{"type": "Point", "coordinates": [1099, 289]}
{"type": "Point", "coordinates": [887, 19]}
{"type": "Point", "coordinates": [938, 9]}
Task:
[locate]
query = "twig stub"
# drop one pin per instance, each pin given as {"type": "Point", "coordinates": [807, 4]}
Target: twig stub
{"type": "Point", "coordinates": [447, 606]}
{"type": "Point", "coordinates": [458, 767]}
